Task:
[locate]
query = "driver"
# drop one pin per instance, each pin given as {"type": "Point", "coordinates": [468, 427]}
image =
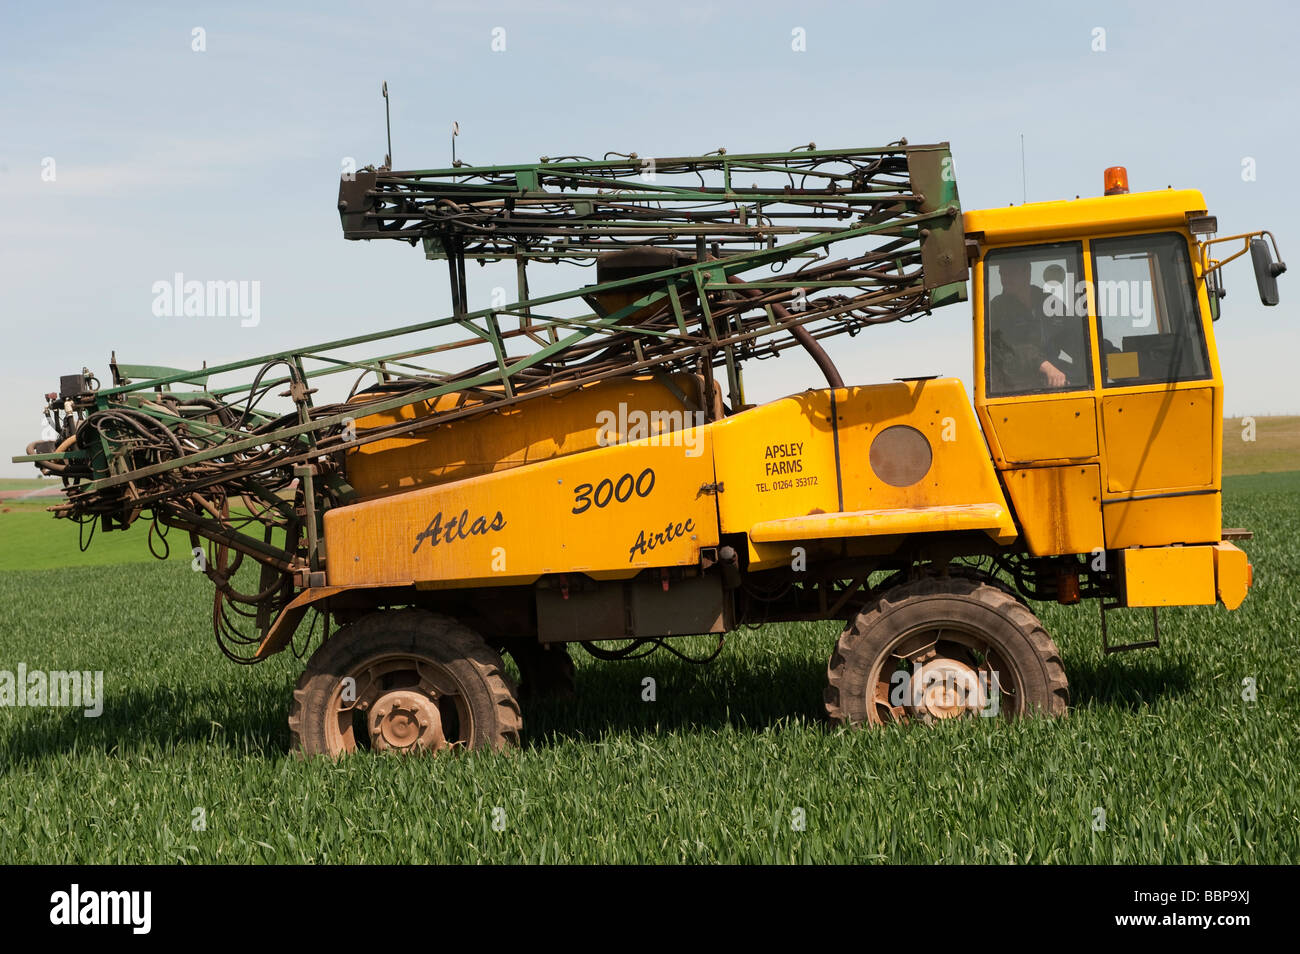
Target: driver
{"type": "Point", "coordinates": [1024, 344]}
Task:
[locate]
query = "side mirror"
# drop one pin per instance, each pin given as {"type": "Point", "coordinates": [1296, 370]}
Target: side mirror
{"type": "Point", "coordinates": [1266, 271]}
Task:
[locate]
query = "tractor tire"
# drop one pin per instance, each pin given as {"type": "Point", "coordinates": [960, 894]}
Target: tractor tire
{"type": "Point", "coordinates": [404, 681]}
{"type": "Point", "coordinates": [965, 647]}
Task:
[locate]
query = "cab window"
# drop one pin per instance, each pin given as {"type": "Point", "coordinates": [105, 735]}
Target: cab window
{"type": "Point", "coordinates": [1036, 320]}
{"type": "Point", "coordinates": [1149, 325]}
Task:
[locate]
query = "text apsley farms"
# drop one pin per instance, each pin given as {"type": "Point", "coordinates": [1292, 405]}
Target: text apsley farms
{"type": "Point", "coordinates": [784, 458]}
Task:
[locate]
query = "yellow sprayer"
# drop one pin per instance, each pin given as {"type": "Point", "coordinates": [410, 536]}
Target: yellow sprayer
{"type": "Point", "coordinates": [595, 475]}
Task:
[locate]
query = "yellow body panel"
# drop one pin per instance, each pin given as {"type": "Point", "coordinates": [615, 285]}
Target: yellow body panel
{"type": "Point", "coordinates": [841, 457]}
{"type": "Point", "coordinates": [1059, 508]}
{"type": "Point", "coordinates": [611, 511]}
{"type": "Point", "coordinates": [1159, 440]}
{"type": "Point", "coordinates": [1232, 574]}
{"type": "Point", "coordinates": [1185, 576]}
{"type": "Point", "coordinates": [1167, 576]}
{"type": "Point", "coordinates": [1082, 218]}
{"type": "Point", "coordinates": [778, 462]}
{"type": "Point", "coordinates": [864, 523]}
{"type": "Point", "coordinates": [960, 471]}
{"type": "Point", "coordinates": [1036, 431]}
{"type": "Point", "coordinates": [523, 434]}
{"type": "Point", "coordinates": [1158, 521]}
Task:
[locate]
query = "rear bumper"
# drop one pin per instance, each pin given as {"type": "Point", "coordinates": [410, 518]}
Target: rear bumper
{"type": "Point", "coordinates": [1184, 576]}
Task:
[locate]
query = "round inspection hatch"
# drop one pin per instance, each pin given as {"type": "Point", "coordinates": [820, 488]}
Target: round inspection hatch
{"type": "Point", "coordinates": [900, 455]}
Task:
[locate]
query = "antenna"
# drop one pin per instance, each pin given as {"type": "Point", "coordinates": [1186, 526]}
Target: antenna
{"type": "Point", "coordinates": [455, 131]}
{"type": "Point", "coordinates": [388, 124]}
{"type": "Point", "coordinates": [1024, 188]}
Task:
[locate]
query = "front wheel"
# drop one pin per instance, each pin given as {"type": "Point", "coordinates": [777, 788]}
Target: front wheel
{"type": "Point", "coordinates": [943, 648]}
{"type": "Point", "coordinates": [403, 681]}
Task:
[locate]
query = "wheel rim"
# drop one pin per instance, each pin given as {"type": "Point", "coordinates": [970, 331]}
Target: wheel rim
{"type": "Point", "coordinates": [408, 703]}
{"type": "Point", "coordinates": [938, 672]}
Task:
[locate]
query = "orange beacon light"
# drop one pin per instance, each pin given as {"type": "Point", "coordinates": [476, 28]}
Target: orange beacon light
{"type": "Point", "coordinates": [1116, 180]}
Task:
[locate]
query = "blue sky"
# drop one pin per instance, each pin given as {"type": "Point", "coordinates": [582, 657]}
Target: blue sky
{"type": "Point", "coordinates": [223, 164]}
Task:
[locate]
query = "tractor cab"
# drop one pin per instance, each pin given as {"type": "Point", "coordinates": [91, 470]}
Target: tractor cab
{"type": "Point", "coordinates": [1097, 380]}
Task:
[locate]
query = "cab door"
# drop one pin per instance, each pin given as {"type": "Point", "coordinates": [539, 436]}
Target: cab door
{"type": "Point", "coordinates": [1035, 391]}
{"type": "Point", "coordinates": [1160, 407]}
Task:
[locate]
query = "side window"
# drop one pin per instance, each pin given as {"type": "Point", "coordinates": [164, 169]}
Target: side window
{"type": "Point", "coordinates": [1146, 311]}
{"type": "Point", "coordinates": [1036, 320]}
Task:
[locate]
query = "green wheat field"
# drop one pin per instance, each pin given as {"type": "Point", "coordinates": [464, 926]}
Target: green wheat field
{"type": "Point", "coordinates": [732, 763]}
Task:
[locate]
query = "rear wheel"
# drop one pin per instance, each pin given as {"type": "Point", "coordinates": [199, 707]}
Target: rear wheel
{"type": "Point", "coordinates": [944, 648]}
{"type": "Point", "coordinates": [403, 681]}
